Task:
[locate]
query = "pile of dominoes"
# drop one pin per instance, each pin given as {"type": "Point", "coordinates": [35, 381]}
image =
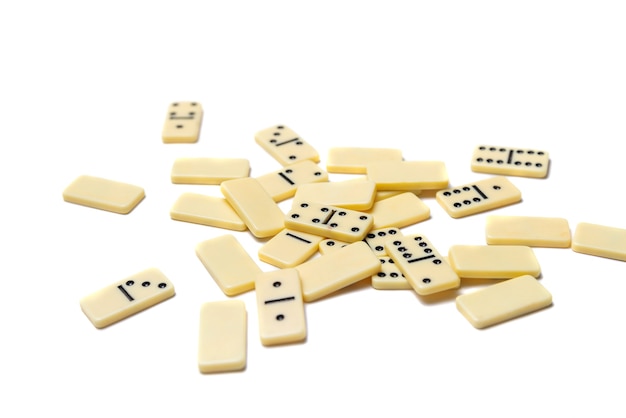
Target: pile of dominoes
{"type": "Point", "coordinates": [354, 226]}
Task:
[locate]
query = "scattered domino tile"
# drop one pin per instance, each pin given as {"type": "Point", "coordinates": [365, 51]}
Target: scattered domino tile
{"type": "Point", "coordinates": [228, 263]}
{"type": "Point", "coordinates": [503, 301]}
{"type": "Point", "coordinates": [493, 261]}
{"type": "Point", "coordinates": [532, 231]}
{"type": "Point", "coordinates": [510, 161]}
{"type": "Point", "coordinates": [423, 267]}
{"type": "Point", "coordinates": [478, 197]}
{"type": "Point", "coordinates": [399, 211]}
{"type": "Point", "coordinates": [389, 277]}
{"type": "Point", "coordinates": [99, 193]}
{"type": "Point", "coordinates": [328, 246]}
{"type": "Point", "coordinates": [282, 184]}
{"type": "Point", "coordinates": [355, 195]}
{"type": "Point", "coordinates": [254, 206]}
{"type": "Point", "coordinates": [280, 307]}
{"type": "Point", "coordinates": [376, 239]}
{"type": "Point", "coordinates": [324, 275]}
{"type": "Point", "coordinates": [408, 175]}
{"type": "Point", "coordinates": [127, 297]}
{"type": "Point", "coordinates": [222, 342]}
{"type": "Point", "coordinates": [182, 123]}
{"type": "Point", "coordinates": [328, 221]}
{"type": "Point", "coordinates": [208, 170]}
{"type": "Point", "coordinates": [206, 210]}
{"type": "Point", "coordinates": [600, 240]}
{"type": "Point", "coordinates": [285, 145]}
{"type": "Point", "coordinates": [354, 160]}
{"type": "Point", "coordinates": [289, 248]}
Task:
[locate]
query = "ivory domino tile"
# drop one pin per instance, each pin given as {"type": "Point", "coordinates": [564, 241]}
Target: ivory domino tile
{"type": "Point", "coordinates": [600, 240]}
{"type": "Point", "coordinates": [408, 175]}
{"type": "Point", "coordinates": [532, 231]}
{"type": "Point", "coordinates": [503, 301]}
{"type": "Point", "coordinates": [376, 239]}
{"type": "Point", "coordinates": [389, 277]}
{"type": "Point", "coordinates": [206, 210]}
{"type": "Point", "coordinates": [354, 160]}
{"type": "Point", "coordinates": [355, 195]}
{"type": "Point", "coordinates": [208, 170]}
{"type": "Point", "coordinates": [104, 194]}
{"type": "Point", "coordinates": [284, 183]}
{"type": "Point", "coordinates": [182, 123]}
{"type": "Point", "coordinates": [289, 248]}
{"type": "Point", "coordinates": [285, 146]}
{"type": "Point", "coordinates": [328, 246]}
{"type": "Point", "coordinates": [510, 161]}
{"type": "Point", "coordinates": [328, 221]}
{"type": "Point", "coordinates": [493, 261]}
{"type": "Point", "coordinates": [222, 341]}
{"type": "Point", "coordinates": [127, 297]}
{"type": "Point", "coordinates": [398, 211]}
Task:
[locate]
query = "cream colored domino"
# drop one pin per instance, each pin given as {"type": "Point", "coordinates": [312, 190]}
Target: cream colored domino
{"type": "Point", "coordinates": [324, 275]}
{"type": "Point", "coordinates": [127, 297]}
{"type": "Point", "coordinates": [208, 170]}
{"type": "Point", "coordinates": [182, 123]}
{"type": "Point", "coordinates": [354, 160]}
{"type": "Point", "coordinates": [254, 206]}
{"type": "Point", "coordinates": [223, 336]}
{"type": "Point", "coordinates": [99, 193]}
{"type": "Point", "coordinates": [386, 194]}
{"type": "Point", "coordinates": [509, 161]}
{"type": "Point", "coordinates": [399, 211]}
{"type": "Point", "coordinates": [376, 239]}
{"type": "Point", "coordinates": [228, 263]}
{"type": "Point", "coordinates": [282, 184]}
{"type": "Point", "coordinates": [493, 261]}
{"type": "Point", "coordinates": [532, 231]}
{"type": "Point", "coordinates": [289, 248]}
{"type": "Point", "coordinates": [600, 240]}
{"type": "Point", "coordinates": [423, 267]}
{"type": "Point", "coordinates": [280, 307]}
{"type": "Point", "coordinates": [389, 277]}
{"type": "Point", "coordinates": [503, 301]}
{"type": "Point", "coordinates": [355, 195]}
{"type": "Point", "coordinates": [478, 197]}
{"type": "Point", "coordinates": [285, 145]}
{"type": "Point", "coordinates": [206, 210]}
{"type": "Point", "coordinates": [328, 246]}
{"type": "Point", "coordinates": [328, 221]}
{"type": "Point", "coordinates": [408, 175]}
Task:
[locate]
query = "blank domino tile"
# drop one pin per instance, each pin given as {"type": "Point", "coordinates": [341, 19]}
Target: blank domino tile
{"type": "Point", "coordinates": [423, 267]}
{"type": "Point", "coordinates": [408, 175]}
{"type": "Point", "coordinates": [478, 197]}
{"type": "Point", "coordinates": [282, 184]}
{"type": "Point", "coordinates": [355, 195]}
{"type": "Point", "coordinates": [376, 239]}
{"type": "Point", "coordinates": [493, 261]}
{"type": "Point", "coordinates": [127, 297]}
{"type": "Point", "coordinates": [222, 342]}
{"type": "Point", "coordinates": [228, 263]}
{"type": "Point", "coordinates": [399, 211]}
{"type": "Point", "coordinates": [206, 210]}
{"type": "Point", "coordinates": [285, 145]}
{"type": "Point", "coordinates": [208, 170]}
{"type": "Point", "coordinates": [503, 301]}
{"type": "Point", "coordinates": [532, 231]}
{"type": "Point", "coordinates": [182, 123]}
{"type": "Point", "coordinates": [354, 160]}
{"type": "Point", "coordinates": [328, 221]}
{"type": "Point", "coordinates": [389, 277]}
{"type": "Point", "coordinates": [99, 193]}
{"type": "Point", "coordinates": [280, 307]}
{"type": "Point", "coordinates": [600, 240]}
{"type": "Point", "coordinates": [328, 246]}
{"type": "Point", "coordinates": [324, 275]}
{"type": "Point", "coordinates": [289, 248]}
{"type": "Point", "coordinates": [510, 161]}
{"type": "Point", "coordinates": [254, 206]}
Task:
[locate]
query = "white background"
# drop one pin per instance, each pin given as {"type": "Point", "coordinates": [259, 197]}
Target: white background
{"type": "Point", "coordinates": [84, 89]}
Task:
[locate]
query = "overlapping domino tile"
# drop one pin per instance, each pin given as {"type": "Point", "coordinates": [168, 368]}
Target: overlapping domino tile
{"type": "Point", "coordinates": [222, 336]}
{"type": "Point", "coordinates": [283, 184]}
{"type": "Point", "coordinates": [182, 123]}
{"type": "Point", "coordinates": [208, 170]}
{"type": "Point", "coordinates": [531, 231]}
{"type": "Point", "coordinates": [493, 261]}
{"type": "Point", "coordinates": [376, 239]}
{"type": "Point", "coordinates": [478, 197]}
{"type": "Point", "coordinates": [600, 240]}
{"type": "Point", "coordinates": [329, 245]}
{"type": "Point", "coordinates": [206, 210]}
{"type": "Point", "coordinates": [398, 211]}
{"type": "Point", "coordinates": [389, 277]}
{"type": "Point", "coordinates": [355, 195]}
{"type": "Point", "coordinates": [503, 301]}
{"type": "Point", "coordinates": [289, 248]}
{"type": "Point", "coordinates": [408, 175]}
{"type": "Point", "coordinates": [285, 146]}
{"type": "Point", "coordinates": [354, 160]}
{"type": "Point", "coordinates": [510, 161]}
{"type": "Point", "coordinates": [104, 194]}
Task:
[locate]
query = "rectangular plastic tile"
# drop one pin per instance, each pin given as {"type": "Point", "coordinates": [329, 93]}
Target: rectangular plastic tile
{"type": "Point", "coordinates": [389, 277]}
{"type": "Point", "coordinates": [355, 195]}
{"type": "Point", "coordinates": [328, 246]}
{"type": "Point", "coordinates": [208, 170]}
{"type": "Point", "coordinates": [206, 210]}
{"type": "Point", "coordinates": [280, 307]}
{"type": "Point", "coordinates": [493, 261]}
{"type": "Point", "coordinates": [228, 263]}
{"type": "Point", "coordinates": [282, 184]}
{"type": "Point", "coordinates": [532, 231]}
{"type": "Point", "coordinates": [600, 240]}
{"type": "Point", "coordinates": [127, 297]}
{"type": "Point", "coordinates": [182, 123]}
{"type": "Point", "coordinates": [99, 193]}
{"type": "Point", "coordinates": [328, 221]}
{"type": "Point", "coordinates": [354, 160]}
{"type": "Point", "coordinates": [509, 161]}
{"type": "Point", "coordinates": [376, 239]}
{"type": "Point", "coordinates": [399, 211]}
{"type": "Point", "coordinates": [222, 342]}
{"type": "Point", "coordinates": [503, 301]}
{"type": "Point", "coordinates": [478, 197]}
{"type": "Point", "coordinates": [289, 248]}
{"type": "Point", "coordinates": [324, 275]}
{"type": "Point", "coordinates": [285, 145]}
{"type": "Point", "coordinates": [408, 175]}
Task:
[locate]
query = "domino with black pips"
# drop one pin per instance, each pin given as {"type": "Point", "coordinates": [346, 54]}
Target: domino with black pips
{"type": "Point", "coordinates": [289, 248]}
{"type": "Point", "coordinates": [284, 183]}
{"type": "Point", "coordinates": [510, 161]}
{"type": "Point", "coordinates": [182, 123]}
{"type": "Point", "coordinates": [286, 146]}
